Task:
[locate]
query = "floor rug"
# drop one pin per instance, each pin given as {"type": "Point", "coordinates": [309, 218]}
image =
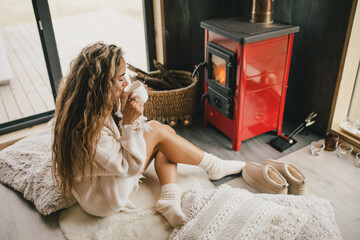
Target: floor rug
{"type": "Point", "coordinates": [145, 223]}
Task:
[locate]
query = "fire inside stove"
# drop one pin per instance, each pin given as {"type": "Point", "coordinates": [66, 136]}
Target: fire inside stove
{"type": "Point", "coordinates": [218, 69]}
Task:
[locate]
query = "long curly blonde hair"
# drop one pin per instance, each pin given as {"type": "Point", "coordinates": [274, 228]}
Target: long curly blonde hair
{"type": "Point", "coordinates": [84, 101]}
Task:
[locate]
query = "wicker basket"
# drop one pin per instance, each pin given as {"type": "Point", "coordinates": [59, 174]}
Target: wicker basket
{"type": "Point", "coordinates": [178, 102]}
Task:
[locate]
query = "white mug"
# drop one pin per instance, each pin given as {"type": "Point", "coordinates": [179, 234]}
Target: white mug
{"type": "Point", "coordinates": [139, 90]}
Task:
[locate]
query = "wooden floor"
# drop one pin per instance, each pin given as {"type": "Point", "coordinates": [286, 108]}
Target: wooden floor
{"type": "Point", "coordinates": [29, 91]}
{"type": "Point", "coordinates": [328, 176]}
{"type": "Point", "coordinates": [20, 220]}
{"type": "Point", "coordinates": [255, 149]}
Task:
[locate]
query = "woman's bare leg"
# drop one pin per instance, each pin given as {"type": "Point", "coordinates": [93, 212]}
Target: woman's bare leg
{"type": "Point", "coordinates": [174, 147]}
{"type": "Point", "coordinates": [166, 170]}
{"type": "Point", "coordinates": [169, 204]}
{"type": "Point", "coordinates": [178, 150]}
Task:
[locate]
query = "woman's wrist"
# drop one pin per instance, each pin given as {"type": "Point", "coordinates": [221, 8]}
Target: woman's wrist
{"type": "Point", "coordinates": [127, 122]}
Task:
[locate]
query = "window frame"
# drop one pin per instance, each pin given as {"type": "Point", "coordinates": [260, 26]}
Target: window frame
{"type": "Point", "coordinates": [346, 80]}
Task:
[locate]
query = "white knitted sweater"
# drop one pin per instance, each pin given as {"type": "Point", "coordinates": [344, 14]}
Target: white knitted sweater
{"type": "Point", "coordinates": [120, 156]}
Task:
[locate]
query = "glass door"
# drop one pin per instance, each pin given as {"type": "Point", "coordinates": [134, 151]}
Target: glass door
{"type": "Point", "coordinates": [36, 48]}
{"type": "Point", "coordinates": [80, 23]}
{"type": "Point", "coordinates": [29, 68]}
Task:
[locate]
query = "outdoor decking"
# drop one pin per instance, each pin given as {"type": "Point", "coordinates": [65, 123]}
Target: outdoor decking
{"type": "Point", "coordinates": [29, 91]}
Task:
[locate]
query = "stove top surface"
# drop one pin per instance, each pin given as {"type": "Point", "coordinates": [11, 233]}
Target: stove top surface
{"type": "Point", "coordinates": [243, 31]}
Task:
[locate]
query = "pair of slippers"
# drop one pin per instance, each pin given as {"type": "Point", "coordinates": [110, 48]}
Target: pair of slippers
{"type": "Point", "coordinates": [275, 177]}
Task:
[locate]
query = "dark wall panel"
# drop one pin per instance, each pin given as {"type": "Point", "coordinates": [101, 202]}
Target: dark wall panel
{"type": "Point", "coordinates": [183, 35]}
{"type": "Point", "coordinates": [316, 55]}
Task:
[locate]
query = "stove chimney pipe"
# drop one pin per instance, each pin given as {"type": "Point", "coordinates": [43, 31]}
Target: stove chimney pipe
{"type": "Point", "coordinates": [262, 11]}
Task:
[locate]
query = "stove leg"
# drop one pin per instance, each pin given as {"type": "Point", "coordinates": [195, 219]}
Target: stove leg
{"type": "Point", "coordinates": [236, 144]}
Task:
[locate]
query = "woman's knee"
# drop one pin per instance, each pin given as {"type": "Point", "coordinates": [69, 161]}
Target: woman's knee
{"type": "Point", "coordinates": [170, 129]}
{"type": "Point", "coordinates": [161, 130]}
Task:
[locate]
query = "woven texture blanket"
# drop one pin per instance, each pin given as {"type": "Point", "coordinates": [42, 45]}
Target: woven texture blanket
{"type": "Point", "coordinates": [233, 213]}
{"type": "Point", "coordinates": [230, 213]}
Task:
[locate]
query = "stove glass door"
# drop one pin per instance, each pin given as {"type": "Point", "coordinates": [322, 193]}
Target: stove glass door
{"type": "Point", "coordinates": [218, 69]}
{"type": "Point", "coordinates": [221, 67]}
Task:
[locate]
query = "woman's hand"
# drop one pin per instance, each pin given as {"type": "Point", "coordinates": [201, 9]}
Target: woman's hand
{"type": "Point", "coordinates": [133, 109]}
{"type": "Point", "coordinates": [123, 99]}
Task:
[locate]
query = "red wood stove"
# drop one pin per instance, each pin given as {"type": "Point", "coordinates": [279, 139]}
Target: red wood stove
{"type": "Point", "coordinates": [246, 75]}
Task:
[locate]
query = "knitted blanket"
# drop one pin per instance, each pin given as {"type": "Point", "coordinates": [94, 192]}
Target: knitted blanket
{"type": "Point", "coordinates": [233, 213]}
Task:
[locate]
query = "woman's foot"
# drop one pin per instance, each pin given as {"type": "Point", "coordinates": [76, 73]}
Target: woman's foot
{"type": "Point", "coordinates": [218, 168]}
{"type": "Point", "coordinates": [169, 205]}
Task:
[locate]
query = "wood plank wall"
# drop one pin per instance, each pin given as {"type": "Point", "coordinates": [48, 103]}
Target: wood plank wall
{"type": "Point", "coordinates": [316, 53]}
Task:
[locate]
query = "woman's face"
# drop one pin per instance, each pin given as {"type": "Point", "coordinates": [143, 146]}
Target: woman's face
{"type": "Point", "coordinates": [120, 80]}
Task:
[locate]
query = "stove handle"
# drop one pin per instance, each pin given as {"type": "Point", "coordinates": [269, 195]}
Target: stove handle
{"type": "Point", "coordinates": [201, 65]}
{"type": "Point", "coordinates": [203, 97]}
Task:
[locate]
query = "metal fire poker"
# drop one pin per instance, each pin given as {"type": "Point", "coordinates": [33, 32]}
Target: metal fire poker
{"type": "Point", "coordinates": [283, 142]}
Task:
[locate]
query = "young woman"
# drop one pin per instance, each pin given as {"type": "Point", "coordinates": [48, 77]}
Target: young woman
{"type": "Point", "coordinates": [100, 149]}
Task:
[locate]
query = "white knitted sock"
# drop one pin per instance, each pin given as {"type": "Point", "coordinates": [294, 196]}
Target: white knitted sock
{"type": "Point", "coordinates": [219, 168]}
{"type": "Point", "coordinates": [169, 205]}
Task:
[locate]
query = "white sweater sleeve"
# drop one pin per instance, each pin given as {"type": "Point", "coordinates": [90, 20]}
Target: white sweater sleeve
{"type": "Point", "coordinates": [123, 157]}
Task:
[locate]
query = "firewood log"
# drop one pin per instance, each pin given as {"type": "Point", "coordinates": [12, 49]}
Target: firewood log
{"type": "Point", "coordinates": [154, 83]}
{"type": "Point", "coordinates": [157, 84]}
{"type": "Point", "coordinates": [142, 76]}
{"type": "Point", "coordinates": [161, 68]}
{"type": "Point", "coordinates": [136, 70]}
{"type": "Point", "coordinates": [163, 81]}
{"type": "Point", "coordinates": [167, 76]}
{"type": "Point", "coordinates": [151, 81]}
